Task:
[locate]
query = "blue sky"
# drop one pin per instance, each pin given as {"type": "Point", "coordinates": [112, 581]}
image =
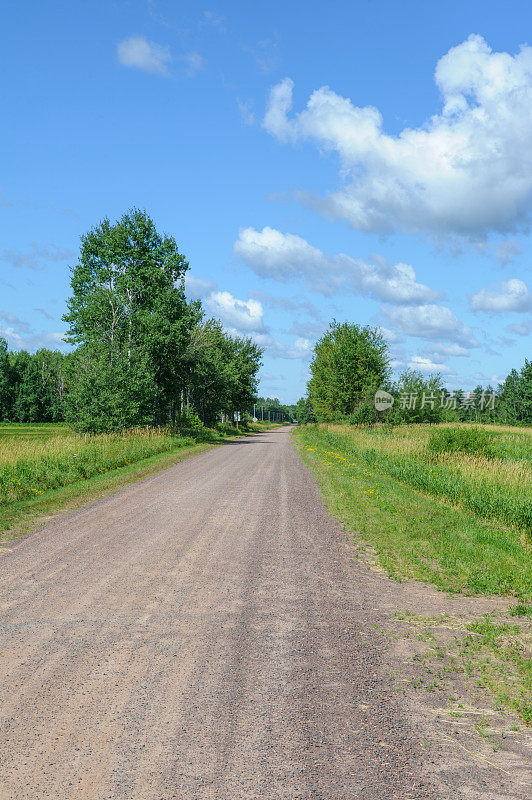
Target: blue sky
{"type": "Point", "coordinates": [399, 196]}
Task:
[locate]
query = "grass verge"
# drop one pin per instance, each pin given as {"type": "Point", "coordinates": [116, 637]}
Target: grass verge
{"type": "Point", "coordinates": [497, 487]}
{"type": "Point", "coordinates": [414, 534]}
{"type": "Point", "coordinates": [19, 518]}
{"type": "Point", "coordinates": [107, 465]}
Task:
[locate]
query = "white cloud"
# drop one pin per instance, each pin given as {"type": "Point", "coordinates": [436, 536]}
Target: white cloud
{"type": "Point", "coordinates": [432, 322]}
{"type": "Point", "coordinates": [197, 288]}
{"type": "Point", "coordinates": [246, 114]}
{"type": "Point", "coordinates": [246, 317]}
{"type": "Point", "coordinates": [301, 348]}
{"type": "Point", "coordinates": [426, 365]}
{"type": "Point", "coordinates": [523, 328]}
{"type": "Point", "coordinates": [56, 337]}
{"type": "Point", "coordinates": [392, 337]}
{"type": "Point", "coordinates": [466, 171]}
{"type": "Point", "coordinates": [512, 295]}
{"type": "Point", "coordinates": [37, 253]}
{"type": "Point", "coordinates": [20, 337]}
{"type": "Point", "coordinates": [443, 350]}
{"type": "Point", "coordinates": [507, 251]}
{"type": "Point", "coordinates": [137, 51]}
{"type": "Point", "coordinates": [285, 256]}
{"type": "Point", "coordinates": [243, 315]}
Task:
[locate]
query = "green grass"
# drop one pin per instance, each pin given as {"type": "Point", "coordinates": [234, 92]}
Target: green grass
{"type": "Point", "coordinates": [493, 488]}
{"type": "Point", "coordinates": [62, 460]}
{"type": "Point", "coordinates": [414, 533]}
{"type": "Point", "coordinates": [33, 430]}
{"type": "Point", "coordinates": [521, 610]}
{"type": "Point", "coordinates": [388, 491]}
{"type": "Point", "coordinates": [471, 441]}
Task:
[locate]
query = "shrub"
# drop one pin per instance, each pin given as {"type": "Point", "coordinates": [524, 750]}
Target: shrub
{"type": "Point", "coordinates": [473, 441]}
{"type": "Point", "coordinates": [187, 423]}
{"type": "Point", "coordinates": [364, 414]}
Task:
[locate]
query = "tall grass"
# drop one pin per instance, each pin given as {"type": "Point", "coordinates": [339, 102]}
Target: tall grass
{"type": "Point", "coordinates": [30, 465]}
{"type": "Point", "coordinates": [383, 485]}
{"type": "Point", "coordinates": [494, 486]}
{"type": "Point", "coordinates": [37, 458]}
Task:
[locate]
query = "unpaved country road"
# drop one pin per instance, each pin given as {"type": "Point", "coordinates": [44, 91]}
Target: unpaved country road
{"type": "Point", "coordinates": [199, 635]}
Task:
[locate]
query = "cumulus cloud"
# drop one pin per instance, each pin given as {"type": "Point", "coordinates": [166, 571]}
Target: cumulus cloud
{"type": "Point", "coordinates": [466, 171]}
{"type": "Point", "coordinates": [286, 256]}
{"type": "Point", "coordinates": [138, 52]}
{"type": "Point", "coordinates": [392, 337]}
{"type": "Point", "coordinates": [512, 295]}
{"type": "Point", "coordinates": [301, 348]}
{"type": "Point", "coordinates": [432, 322]}
{"type": "Point", "coordinates": [246, 317]}
{"type": "Point", "coordinates": [444, 351]}
{"type": "Point", "coordinates": [243, 315]}
{"type": "Point", "coordinates": [426, 365]}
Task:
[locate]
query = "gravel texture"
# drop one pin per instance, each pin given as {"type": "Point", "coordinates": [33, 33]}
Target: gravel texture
{"type": "Point", "coordinates": [205, 633]}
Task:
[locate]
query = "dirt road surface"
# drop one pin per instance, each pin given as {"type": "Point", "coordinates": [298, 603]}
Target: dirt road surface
{"type": "Point", "coordinates": [204, 633]}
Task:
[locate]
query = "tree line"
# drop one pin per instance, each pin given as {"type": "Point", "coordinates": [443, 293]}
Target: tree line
{"type": "Point", "coordinates": [271, 409]}
{"type": "Point", "coordinates": [142, 354]}
{"type": "Point", "coordinates": [351, 363]}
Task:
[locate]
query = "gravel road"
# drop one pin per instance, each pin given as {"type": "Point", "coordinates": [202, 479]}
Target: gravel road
{"type": "Point", "coordinates": [202, 634]}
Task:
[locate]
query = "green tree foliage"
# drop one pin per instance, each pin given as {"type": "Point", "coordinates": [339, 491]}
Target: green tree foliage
{"type": "Point", "coordinates": [304, 412]}
{"type": "Point", "coordinates": [6, 382]}
{"type": "Point", "coordinates": [418, 398]}
{"type": "Point", "coordinates": [107, 395]}
{"type": "Point", "coordinates": [271, 409]}
{"type": "Point", "coordinates": [515, 399]}
{"type": "Point", "coordinates": [129, 316]}
{"type": "Point", "coordinates": [32, 385]}
{"type": "Point", "coordinates": [223, 372]}
{"type": "Point", "coordinates": [350, 362]}
{"type": "Point", "coordinates": [146, 355]}
{"type": "Point", "coordinates": [143, 354]}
